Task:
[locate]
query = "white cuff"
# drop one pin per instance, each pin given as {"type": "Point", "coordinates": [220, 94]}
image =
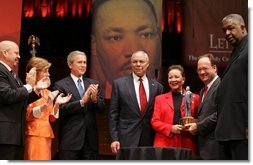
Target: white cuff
{"type": "Point", "coordinates": [28, 87]}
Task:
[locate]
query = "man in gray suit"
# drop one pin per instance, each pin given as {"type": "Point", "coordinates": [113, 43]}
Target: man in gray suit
{"type": "Point", "coordinates": [129, 122]}
{"type": "Point", "coordinates": [208, 147]}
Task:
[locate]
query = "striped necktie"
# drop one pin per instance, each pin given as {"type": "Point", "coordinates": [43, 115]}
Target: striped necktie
{"type": "Point", "coordinates": [16, 78]}
{"type": "Point", "coordinates": [204, 93]}
{"type": "Point", "coordinates": [80, 87]}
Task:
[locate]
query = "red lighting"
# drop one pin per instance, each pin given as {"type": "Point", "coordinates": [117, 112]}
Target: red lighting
{"type": "Point", "coordinates": [56, 8]}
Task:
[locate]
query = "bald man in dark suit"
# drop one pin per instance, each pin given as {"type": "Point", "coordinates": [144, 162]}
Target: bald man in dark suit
{"type": "Point", "coordinates": [14, 97]}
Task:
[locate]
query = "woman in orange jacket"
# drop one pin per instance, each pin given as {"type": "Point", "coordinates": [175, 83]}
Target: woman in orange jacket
{"type": "Point", "coordinates": [39, 133]}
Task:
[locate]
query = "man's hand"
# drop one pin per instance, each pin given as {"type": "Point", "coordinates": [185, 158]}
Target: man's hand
{"type": "Point", "coordinates": [246, 133]}
{"type": "Point", "coordinates": [191, 127]}
{"type": "Point", "coordinates": [86, 96]}
{"type": "Point", "coordinates": [94, 92]}
{"type": "Point", "coordinates": [31, 77]}
{"type": "Point", "coordinates": [115, 146]}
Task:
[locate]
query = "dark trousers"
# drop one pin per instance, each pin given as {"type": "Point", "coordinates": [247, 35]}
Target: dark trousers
{"type": "Point", "coordinates": [11, 152]}
{"type": "Point", "coordinates": [85, 153]}
{"type": "Point", "coordinates": [236, 149]}
{"type": "Point", "coordinates": [77, 155]}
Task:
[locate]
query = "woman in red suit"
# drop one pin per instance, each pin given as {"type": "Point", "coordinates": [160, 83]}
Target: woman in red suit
{"type": "Point", "coordinates": [168, 110]}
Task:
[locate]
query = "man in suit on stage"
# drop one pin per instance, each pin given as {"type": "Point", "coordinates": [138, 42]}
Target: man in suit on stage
{"type": "Point", "coordinates": [14, 97]}
{"type": "Point", "coordinates": [78, 136]}
{"type": "Point", "coordinates": [132, 106]}
{"type": "Point", "coordinates": [232, 94]}
{"type": "Point", "coordinates": [208, 147]}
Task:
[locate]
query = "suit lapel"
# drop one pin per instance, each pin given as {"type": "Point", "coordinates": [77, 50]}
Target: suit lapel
{"type": "Point", "coordinates": [72, 87]}
{"type": "Point", "coordinates": [152, 91]}
{"type": "Point", "coordinates": [86, 83]}
{"type": "Point", "coordinates": [10, 76]}
{"type": "Point", "coordinates": [201, 102]}
{"type": "Point", "coordinates": [169, 100]}
{"type": "Point", "coordinates": [209, 93]}
{"type": "Point", "coordinates": [129, 84]}
{"type": "Point", "coordinates": [235, 54]}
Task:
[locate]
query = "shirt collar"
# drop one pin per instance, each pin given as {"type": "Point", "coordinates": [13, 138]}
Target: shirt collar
{"type": "Point", "coordinates": [75, 78]}
{"type": "Point", "coordinates": [136, 78]}
{"type": "Point", "coordinates": [211, 83]}
{"type": "Point", "coordinates": [9, 68]}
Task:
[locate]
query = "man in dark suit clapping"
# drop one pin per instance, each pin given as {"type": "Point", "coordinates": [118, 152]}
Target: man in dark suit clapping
{"type": "Point", "coordinates": [14, 96]}
{"type": "Point", "coordinates": [78, 136]}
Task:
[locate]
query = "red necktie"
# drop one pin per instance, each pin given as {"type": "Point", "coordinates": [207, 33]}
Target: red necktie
{"type": "Point", "coordinates": [143, 97]}
{"type": "Point", "coordinates": [205, 92]}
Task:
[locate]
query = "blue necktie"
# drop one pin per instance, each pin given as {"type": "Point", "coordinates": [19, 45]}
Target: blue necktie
{"type": "Point", "coordinates": [80, 87]}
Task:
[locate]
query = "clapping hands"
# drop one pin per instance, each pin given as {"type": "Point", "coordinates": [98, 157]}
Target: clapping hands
{"type": "Point", "coordinates": [52, 96]}
{"type": "Point", "coordinates": [61, 100]}
{"type": "Point", "coordinates": [93, 92]}
{"type": "Point", "coordinates": [90, 94]}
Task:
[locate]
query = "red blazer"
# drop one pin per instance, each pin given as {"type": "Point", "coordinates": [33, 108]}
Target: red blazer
{"type": "Point", "coordinates": [162, 122]}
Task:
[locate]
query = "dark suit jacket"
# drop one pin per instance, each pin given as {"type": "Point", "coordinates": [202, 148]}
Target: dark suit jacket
{"type": "Point", "coordinates": [76, 122]}
{"type": "Point", "coordinates": [126, 123]}
{"type": "Point", "coordinates": [13, 102]}
{"type": "Point", "coordinates": [209, 147]}
{"type": "Point", "coordinates": [232, 96]}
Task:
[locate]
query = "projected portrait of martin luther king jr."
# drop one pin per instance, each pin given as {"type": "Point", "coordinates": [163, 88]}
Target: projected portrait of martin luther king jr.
{"type": "Point", "coordinates": [120, 28]}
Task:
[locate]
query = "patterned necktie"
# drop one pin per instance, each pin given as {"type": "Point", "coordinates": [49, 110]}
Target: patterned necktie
{"type": "Point", "coordinates": [204, 93]}
{"type": "Point", "coordinates": [16, 78]}
{"type": "Point", "coordinates": [143, 97]}
{"type": "Point", "coordinates": [80, 87]}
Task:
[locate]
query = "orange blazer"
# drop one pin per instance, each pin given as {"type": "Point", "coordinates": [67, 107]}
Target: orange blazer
{"type": "Point", "coordinates": [40, 126]}
{"type": "Point", "coordinates": [162, 122]}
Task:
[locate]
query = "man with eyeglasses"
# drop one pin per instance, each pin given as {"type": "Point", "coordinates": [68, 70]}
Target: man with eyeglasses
{"type": "Point", "coordinates": [208, 147]}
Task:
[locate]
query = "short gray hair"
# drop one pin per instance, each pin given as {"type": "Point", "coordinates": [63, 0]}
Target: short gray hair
{"type": "Point", "coordinates": [141, 52]}
{"type": "Point", "coordinates": [73, 54]}
{"type": "Point", "coordinates": [235, 17]}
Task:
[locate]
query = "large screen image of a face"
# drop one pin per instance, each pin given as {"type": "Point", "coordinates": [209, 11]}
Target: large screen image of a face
{"type": "Point", "coordinates": [119, 28]}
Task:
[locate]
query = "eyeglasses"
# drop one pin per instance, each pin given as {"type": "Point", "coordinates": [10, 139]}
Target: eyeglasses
{"type": "Point", "coordinates": [201, 69]}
